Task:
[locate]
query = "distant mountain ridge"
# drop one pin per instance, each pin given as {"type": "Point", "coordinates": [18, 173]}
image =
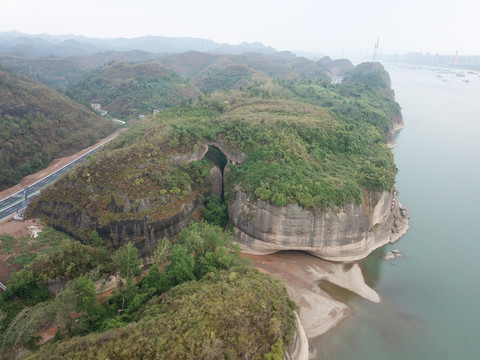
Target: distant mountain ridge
{"type": "Point", "coordinates": [27, 45]}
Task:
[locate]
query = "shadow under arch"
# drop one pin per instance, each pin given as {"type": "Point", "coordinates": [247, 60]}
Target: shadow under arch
{"type": "Point", "coordinates": [215, 155]}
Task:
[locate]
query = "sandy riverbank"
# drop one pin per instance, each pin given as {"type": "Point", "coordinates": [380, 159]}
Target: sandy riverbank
{"type": "Point", "coordinates": [318, 311]}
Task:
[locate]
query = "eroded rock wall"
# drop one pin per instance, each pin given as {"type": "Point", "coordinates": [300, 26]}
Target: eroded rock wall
{"type": "Point", "coordinates": [143, 232]}
{"type": "Point", "coordinates": [345, 234]}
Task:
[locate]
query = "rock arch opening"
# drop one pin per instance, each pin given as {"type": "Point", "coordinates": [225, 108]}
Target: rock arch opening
{"type": "Point", "coordinates": [216, 178]}
{"type": "Point", "coordinates": [216, 211]}
{"type": "Point", "coordinates": [215, 155]}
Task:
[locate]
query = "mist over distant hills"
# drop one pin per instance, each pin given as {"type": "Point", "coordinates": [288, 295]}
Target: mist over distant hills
{"type": "Point", "coordinates": [26, 45]}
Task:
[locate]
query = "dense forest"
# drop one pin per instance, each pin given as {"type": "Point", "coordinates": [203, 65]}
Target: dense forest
{"type": "Point", "coordinates": [38, 124]}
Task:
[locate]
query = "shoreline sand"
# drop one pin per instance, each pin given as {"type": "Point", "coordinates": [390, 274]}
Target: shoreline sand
{"type": "Point", "coordinates": [318, 311]}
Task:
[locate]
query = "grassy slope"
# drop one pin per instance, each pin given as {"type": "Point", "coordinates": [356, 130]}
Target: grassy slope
{"type": "Point", "coordinates": [38, 124]}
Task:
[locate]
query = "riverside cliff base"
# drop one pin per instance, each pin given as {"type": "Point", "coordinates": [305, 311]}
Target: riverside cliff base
{"type": "Point", "coordinates": [345, 234]}
{"type": "Point", "coordinates": [304, 274]}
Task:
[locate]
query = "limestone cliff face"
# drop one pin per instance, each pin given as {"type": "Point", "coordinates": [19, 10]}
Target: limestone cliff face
{"type": "Point", "coordinates": [143, 232]}
{"type": "Point", "coordinates": [344, 234]}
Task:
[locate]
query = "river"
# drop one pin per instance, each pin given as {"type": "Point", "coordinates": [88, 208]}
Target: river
{"type": "Point", "coordinates": [430, 305]}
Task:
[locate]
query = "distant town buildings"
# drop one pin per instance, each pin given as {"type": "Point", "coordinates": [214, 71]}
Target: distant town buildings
{"type": "Point", "coordinates": [460, 61]}
{"type": "Point", "coordinates": [155, 112]}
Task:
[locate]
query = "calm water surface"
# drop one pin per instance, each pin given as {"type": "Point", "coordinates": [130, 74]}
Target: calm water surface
{"type": "Point", "coordinates": [431, 296]}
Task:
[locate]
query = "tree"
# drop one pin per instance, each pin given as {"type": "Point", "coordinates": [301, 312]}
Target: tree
{"type": "Point", "coordinates": [126, 260]}
{"type": "Point", "coordinates": [79, 297]}
{"type": "Point", "coordinates": [95, 239]}
{"type": "Point", "coordinates": [162, 252]}
{"type": "Point", "coordinates": [215, 211]}
{"type": "Point", "coordinates": [155, 282]}
{"type": "Point", "coordinates": [212, 248]}
{"type": "Point", "coordinates": [25, 327]}
{"type": "Point", "coordinates": [22, 283]}
{"type": "Point", "coordinates": [181, 266]}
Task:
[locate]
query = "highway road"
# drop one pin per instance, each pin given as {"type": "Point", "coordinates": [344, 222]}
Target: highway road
{"type": "Point", "coordinates": [13, 203]}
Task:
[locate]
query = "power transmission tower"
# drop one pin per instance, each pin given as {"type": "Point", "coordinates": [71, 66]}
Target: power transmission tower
{"type": "Point", "coordinates": [374, 57]}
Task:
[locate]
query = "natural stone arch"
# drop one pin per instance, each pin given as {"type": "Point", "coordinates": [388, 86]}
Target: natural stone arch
{"type": "Point", "coordinates": [232, 158]}
{"type": "Point", "coordinates": [217, 156]}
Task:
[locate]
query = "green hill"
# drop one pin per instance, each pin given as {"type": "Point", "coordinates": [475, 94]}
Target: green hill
{"type": "Point", "coordinates": [38, 124]}
{"type": "Point", "coordinates": [125, 89]}
{"type": "Point", "coordinates": [304, 142]}
{"type": "Point", "coordinates": [251, 318]}
{"type": "Point", "coordinates": [225, 78]}
{"type": "Point", "coordinates": [372, 76]}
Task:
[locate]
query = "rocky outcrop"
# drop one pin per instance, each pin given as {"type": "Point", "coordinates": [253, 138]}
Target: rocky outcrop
{"type": "Point", "coordinates": [344, 234]}
{"type": "Point", "coordinates": [143, 232]}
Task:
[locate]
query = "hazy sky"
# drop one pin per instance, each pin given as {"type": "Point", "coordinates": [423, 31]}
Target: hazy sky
{"type": "Point", "coordinates": [331, 27]}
